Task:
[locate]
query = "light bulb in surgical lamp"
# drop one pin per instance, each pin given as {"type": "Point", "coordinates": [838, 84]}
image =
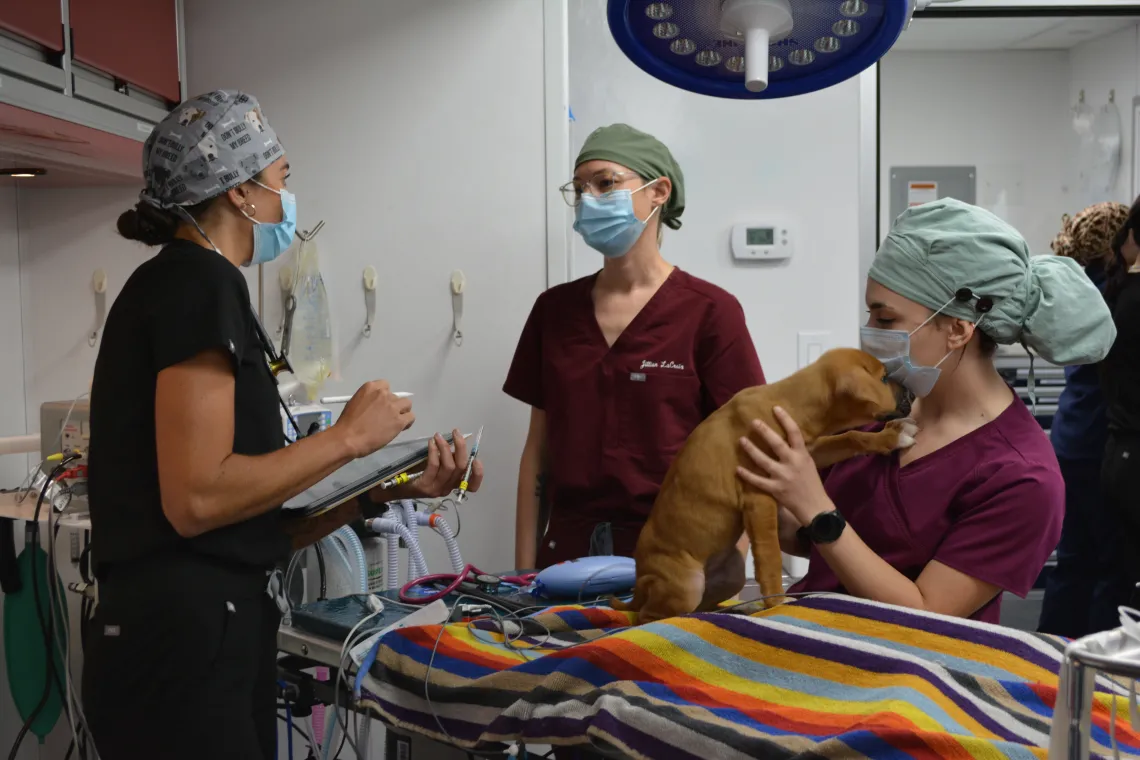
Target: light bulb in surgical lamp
{"type": "Point", "coordinates": [827, 45]}
{"type": "Point", "coordinates": [683, 47]}
{"type": "Point", "coordinates": [708, 58]}
{"type": "Point", "coordinates": [801, 57]}
{"type": "Point", "coordinates": [742, 48]}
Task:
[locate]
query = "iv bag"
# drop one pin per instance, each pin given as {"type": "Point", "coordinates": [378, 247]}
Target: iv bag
{"type": "Point", "coordinates": [311, 342]}
{"type": "Point", "coordinates": [1097, 155]}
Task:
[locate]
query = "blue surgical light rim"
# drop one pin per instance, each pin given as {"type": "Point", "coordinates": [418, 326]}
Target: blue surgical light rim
{"type": "Point", "coordinates": [895, 14]}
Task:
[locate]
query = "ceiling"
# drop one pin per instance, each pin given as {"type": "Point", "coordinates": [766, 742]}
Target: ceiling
{"type": "Point", "coordinates": [1027, 33]}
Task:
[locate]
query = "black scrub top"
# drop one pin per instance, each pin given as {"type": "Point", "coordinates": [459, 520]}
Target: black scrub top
{"type": "Point", "coordinates": [184, 301]}
{"type": "Point", "coordinates": [1120, 371]}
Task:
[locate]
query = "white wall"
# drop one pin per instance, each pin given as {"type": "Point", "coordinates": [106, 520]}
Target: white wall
{"type": "Point", "coordinates": [1002, 112]}
{"type": "Point", "coordinates": [12, 421]}
{"type": "Point", "coordinates": [415, 131]}
{"type": "Point", "coordinates": [1098, 67]}
{"type": "Point", "coordinates": [65, 235]}
{"type": "Point", "coordinates": [741, 160]}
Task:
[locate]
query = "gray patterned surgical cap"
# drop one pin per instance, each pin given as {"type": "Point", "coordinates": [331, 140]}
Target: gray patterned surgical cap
{"type": "Point", "coordinates": [205, 146]}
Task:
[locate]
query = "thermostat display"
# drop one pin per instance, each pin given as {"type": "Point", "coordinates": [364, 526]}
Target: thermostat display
{"type": "Point", "coordinates": [762, 242]}
{"type": "Point", "coordinates": [760, 236]}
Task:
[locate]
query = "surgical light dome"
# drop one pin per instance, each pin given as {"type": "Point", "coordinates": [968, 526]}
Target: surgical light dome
{"type": "Point", "coordinates": [758, 49]}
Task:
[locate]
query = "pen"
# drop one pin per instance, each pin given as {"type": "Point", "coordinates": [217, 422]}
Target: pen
{"type": "Point", "coordinates": [346, 399]}
{"type": "Point", "coordinates": [470, 463]}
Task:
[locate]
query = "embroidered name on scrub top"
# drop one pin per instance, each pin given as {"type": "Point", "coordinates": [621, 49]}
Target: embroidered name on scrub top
{"type": "Point", "coordinates": [617, 415]}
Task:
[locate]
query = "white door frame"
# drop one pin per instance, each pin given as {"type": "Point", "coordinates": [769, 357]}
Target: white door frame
{"type": "Point", "coordinates": [556, 85]}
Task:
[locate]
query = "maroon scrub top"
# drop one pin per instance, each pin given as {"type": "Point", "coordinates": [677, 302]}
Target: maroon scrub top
{"type": "Point", "coordinates": [989, 505]}
{"type": "Point", "coordinates": [616, 416]}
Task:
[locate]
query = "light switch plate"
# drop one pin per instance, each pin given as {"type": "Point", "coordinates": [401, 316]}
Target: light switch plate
{"type": "Point", "coordinates": [812, 345]}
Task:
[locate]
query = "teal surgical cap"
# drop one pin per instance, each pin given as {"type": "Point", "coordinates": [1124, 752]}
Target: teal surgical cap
{"type": "Point", "coordinates": [940, 252]}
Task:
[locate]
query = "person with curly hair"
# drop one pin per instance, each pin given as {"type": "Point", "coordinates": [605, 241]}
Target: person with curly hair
{"type": "Point", "coordinates": [1080, 595]}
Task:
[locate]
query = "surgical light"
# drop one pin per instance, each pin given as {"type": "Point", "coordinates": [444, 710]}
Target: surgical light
{"type": "Point", "coordinates": [744, 44]}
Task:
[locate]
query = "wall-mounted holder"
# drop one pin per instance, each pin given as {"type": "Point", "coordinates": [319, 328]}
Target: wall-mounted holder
{"type": "Point", "coordinates": [99, 286]}
{"type": "Point", "coordinates": [458, 285]}
{"type": "Point", "coordinates": [369, 282]}
{"type": "Point", "coordinates": [308, 235]}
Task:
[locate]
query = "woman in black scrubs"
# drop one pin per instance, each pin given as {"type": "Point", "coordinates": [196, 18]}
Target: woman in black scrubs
{"type": "Point", "coordinates": [1120, 382]}
{"type": "Point", "coordinates": [188, 465]}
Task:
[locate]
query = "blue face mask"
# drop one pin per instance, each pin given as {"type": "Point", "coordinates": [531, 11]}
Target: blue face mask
{"type": "Point", "coordinates": [607, 222]}
{"type": "Point", "coordinates": [270, 240]}
{"type": "Point", "coordinates": [892, 348]}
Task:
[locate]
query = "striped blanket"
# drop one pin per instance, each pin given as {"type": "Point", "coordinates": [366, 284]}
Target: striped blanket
{"type": "Point", "coordinates": [827, 676]}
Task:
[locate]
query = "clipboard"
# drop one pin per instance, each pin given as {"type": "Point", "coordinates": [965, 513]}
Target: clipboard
{"type": "Point", "coordinates": [361, 475]}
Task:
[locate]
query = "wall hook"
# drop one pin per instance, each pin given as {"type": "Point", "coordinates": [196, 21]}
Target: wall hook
{"type": "Point", "coordinates": [99, 285]}
{"type": "Point", "coordinates": [310, 234]}
{"type": "Point", "coordinates": [1112, 96]}
{"type": "Point", "coordinates": [458, 285]}
{"type": "Point", "coordinates": [369, 280]}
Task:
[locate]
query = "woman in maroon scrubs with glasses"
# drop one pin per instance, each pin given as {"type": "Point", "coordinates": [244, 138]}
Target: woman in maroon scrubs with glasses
{"type": "Point", "coordinates": [620, 366]}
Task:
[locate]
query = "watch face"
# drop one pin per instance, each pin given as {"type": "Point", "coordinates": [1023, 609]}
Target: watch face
{"type": "Point", "coordinates": [827, 527]}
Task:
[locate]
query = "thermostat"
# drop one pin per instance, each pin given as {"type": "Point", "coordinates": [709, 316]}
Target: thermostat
{"type": "Point", "coordinates": [765, 241]}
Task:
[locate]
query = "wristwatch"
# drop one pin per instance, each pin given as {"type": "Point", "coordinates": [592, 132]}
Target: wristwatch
{"type": "Point", "coordinates": [825, 528]}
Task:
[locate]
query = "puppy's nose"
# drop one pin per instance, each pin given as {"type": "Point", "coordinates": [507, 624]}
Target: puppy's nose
{"type": "Point", "coordinates": [904, 405]}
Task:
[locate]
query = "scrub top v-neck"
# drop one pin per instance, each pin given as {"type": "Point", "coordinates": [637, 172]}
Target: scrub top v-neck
{"type": "Point", "coordinates": [617, 415]}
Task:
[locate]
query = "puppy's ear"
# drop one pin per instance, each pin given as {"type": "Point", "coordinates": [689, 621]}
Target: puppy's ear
{"type": "Point", "coordinates": [859, 383]}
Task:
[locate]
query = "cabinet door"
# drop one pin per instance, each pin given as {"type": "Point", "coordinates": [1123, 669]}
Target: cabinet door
{"type": "Point", "coordinates": [37, 20]}
{"type": "Point", "coordinates": [134, 40]}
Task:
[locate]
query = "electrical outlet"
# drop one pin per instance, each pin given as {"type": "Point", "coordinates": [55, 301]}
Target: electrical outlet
{"type": "Point", "coordinates": [812, 345]}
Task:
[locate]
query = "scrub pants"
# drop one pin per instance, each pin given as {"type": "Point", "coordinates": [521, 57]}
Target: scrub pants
{"type": "Point", "coordinates": [1080, 596]}
{"type": "Point", "coordinates": [1120, 479]}
{"type": "Point", "coordinates": [181, 662]}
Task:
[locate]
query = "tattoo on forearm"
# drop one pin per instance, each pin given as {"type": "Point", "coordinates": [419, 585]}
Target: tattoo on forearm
{"type": "Point", "coordinates": [540, 489]}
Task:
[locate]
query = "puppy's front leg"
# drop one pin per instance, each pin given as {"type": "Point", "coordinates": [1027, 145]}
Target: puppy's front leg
{"type": "Point", "coordinates": [832, 449]}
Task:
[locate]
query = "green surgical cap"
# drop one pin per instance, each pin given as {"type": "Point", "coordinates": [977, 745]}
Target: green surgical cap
{"type": "Point", "coordinates": [643, 154]}
{"type": "Point", "coordinates": [1045, 302]}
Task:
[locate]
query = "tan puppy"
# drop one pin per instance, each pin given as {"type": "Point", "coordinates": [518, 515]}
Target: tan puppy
{"type": "Point", "coordinates": [687, 557]}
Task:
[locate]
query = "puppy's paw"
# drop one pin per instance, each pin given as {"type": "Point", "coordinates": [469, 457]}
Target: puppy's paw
{"type": "Point", "coordinates": [905, 430]}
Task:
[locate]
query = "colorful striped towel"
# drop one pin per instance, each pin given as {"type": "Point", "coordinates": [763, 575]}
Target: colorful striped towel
{"type": "Point", "coordinates": [827, 676]}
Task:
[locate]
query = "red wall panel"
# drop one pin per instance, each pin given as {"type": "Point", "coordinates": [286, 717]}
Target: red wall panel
{"type": "Point", "coordinates": [39, 20]}
{"type": "Point", "coordinates": [134, 40]}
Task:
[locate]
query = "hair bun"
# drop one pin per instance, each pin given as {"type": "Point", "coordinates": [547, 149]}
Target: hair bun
{"type": "Point", "coordinates": [148, 224]}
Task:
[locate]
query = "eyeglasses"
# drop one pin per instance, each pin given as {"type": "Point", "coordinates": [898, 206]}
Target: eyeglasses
{"type": "Point", "coordinates": [601, 183]}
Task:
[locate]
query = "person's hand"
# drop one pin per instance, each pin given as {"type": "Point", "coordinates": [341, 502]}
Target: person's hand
{"type": "Point", "coordinates": [444, 471]}
{"type": "Point", "coordinates": [789, 476]}
{"type": "Point", "coordinates": [373, 417]}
